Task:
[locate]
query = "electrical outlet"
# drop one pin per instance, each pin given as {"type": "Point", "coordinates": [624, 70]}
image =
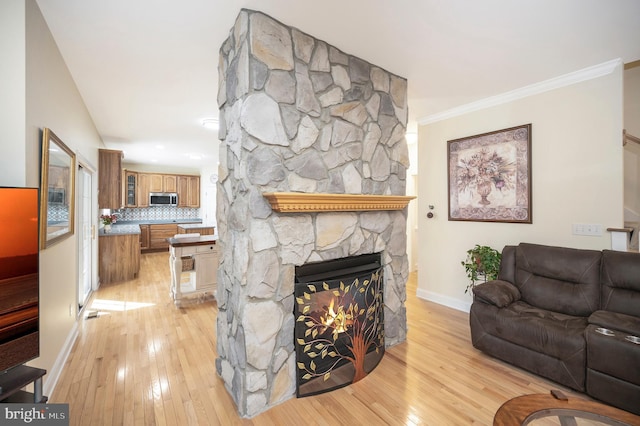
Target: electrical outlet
{"type": "Point", "coordinates": [589, 229]}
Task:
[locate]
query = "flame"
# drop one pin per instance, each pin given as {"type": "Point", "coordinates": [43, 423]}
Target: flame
{"type": "Point", "coordinates": [335, 320]}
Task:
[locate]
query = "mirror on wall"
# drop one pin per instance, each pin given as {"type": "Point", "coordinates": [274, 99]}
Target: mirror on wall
{"type": "Point", "coordinates": [56, 190]}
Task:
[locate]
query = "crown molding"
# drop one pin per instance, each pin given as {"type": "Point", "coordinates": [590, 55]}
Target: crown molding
{"type": "Point", "coordinates": [585, 74]}
{"type": "Point", "coordinates": [300, 202]}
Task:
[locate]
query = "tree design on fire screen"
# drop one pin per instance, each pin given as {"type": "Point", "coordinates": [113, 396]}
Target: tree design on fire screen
{"type": "Point", "coordinates": [338, 324]}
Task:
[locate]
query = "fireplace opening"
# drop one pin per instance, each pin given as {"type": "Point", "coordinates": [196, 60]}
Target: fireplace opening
{"type": "Point", "coordinates": [339, 332]}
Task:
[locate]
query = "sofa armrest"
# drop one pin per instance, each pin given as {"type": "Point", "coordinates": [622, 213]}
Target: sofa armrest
{"type": "Point", "coordinates": [616, 321]}
{"type": "Point", "coordinates": [498, 292]}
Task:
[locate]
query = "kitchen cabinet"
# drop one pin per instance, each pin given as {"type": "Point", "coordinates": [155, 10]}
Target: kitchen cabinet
{"type": "Point", "coordinates": [143, 190]}
{"type": "Point", "coordinates": [119, 257]}
{"type": "Point", "coordinates": [156, 183]}
{"type": "Point", "coordinates": [187, 187]}
{"type": "Point", "coordinates": [170, 183]}
{"type": "Point", "coordinates": [158, 234]}
{"type": "Point", "coordinates": [163, 183]}
{"type": "Point", "coordinates": [144, 237]}
{"type": "Point", "coordinates": [189, 191]}
{"type": "Point", "coordinates": [130, 188]}
{"type": "Point", "coordinates": [109, 179]}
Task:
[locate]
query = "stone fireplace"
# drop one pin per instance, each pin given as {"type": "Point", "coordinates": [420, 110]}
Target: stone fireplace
{"type": "Point", "coordinates": [313, 165]}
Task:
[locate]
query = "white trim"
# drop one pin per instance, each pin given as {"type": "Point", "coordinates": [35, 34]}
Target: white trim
{"type": "Point", "coordinates": [450, 302]}
{"type": "Point", "coordinates": [51, 379]}
{"type": "Point", "coordinates": [585, 74]}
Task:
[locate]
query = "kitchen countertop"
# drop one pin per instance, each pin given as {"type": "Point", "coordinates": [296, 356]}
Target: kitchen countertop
{"type": "Point", "coordinates": [192, 241]}
{"type": "Point", "coordinates": [194, 226]}
{"type": "Point", "coordinates": [157, 221]}
{"type": "Point", "coordinates": [120, 229]}
{"type": "Point", "coordinates": [130, 227]}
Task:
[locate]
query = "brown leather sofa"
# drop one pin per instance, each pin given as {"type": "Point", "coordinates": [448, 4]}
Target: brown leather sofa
{"type": "Point", "coordinates": [569, 315]}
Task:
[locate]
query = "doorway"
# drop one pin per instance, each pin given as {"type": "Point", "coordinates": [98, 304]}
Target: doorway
{"type": "Point", "coordinates": [85, 235]}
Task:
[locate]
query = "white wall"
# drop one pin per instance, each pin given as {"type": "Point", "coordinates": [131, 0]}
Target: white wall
{"type": "Point", "coordinates": [12, 88]}
{"type": "Point", "coordinates": [412, 216]}
{"type": "Point", "coordinates": [577, 178]}
{"type": "Point", "coordinates": [632, 150]}
{"type": "Point", "coordinates": [53, 101]}
{"type": "Point", "coordinates": [208, 196]}
{"type": "Point", "coordinates": [632, 99]}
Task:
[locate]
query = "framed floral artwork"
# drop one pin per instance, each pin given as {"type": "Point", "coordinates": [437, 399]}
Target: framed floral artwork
{"type": "Point", "coordinates": [490, 176]}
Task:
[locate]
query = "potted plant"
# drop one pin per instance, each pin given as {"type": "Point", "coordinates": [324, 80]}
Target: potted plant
{"type": "Point", "coordinates": [107, 220]}
{"type": "Point", "coordinates": [482, 263]}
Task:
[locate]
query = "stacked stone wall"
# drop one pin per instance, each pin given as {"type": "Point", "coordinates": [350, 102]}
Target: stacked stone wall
{"type": "Point", "coordinates": [298, 115]}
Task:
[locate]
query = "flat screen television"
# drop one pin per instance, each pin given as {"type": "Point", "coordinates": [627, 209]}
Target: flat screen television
{"type": "Point", "coordinates": [19, 276]}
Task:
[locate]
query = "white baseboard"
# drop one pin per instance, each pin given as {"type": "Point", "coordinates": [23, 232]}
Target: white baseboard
{"type": "Point", "coordinates": [450, 302]}
{"type": "Point", "coordinates": [51, 379]}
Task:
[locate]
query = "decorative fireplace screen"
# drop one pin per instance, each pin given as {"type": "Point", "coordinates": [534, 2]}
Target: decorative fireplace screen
{"type": "Point", "coordinates": [339, 332]}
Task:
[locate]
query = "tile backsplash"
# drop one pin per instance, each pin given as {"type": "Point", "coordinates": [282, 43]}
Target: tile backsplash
{"type": "Point", "coordinates": [158, 213]}
{"type": "Point", "coordinates": [57, 212]}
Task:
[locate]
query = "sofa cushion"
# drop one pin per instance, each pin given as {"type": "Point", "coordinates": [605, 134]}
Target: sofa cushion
{"type": "Point", "coordinates": [616, 321]}
{"type": "Point", "coordinates": [620, 276]}
{"type": "Point", "coordinates": [498, 293]}
{"type": "Point", "coordinates": [551, 333]}
{"type": "Point", "coordinates": [613, 354]}
{"type": "Point", "coordinates": [507, 270]}
{"type": "Point", "coordinates": [559, 279]}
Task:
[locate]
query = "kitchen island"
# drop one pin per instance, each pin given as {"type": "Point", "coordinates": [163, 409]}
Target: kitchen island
{"type": "Point", "coordinates": [196, 257]}
{"type": "Point", "coordinates": [119, 248]}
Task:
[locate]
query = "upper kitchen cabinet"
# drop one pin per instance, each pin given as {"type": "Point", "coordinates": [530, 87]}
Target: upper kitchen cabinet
{"type": "Point", "coordinates": [109, 179]}
{"type": "Point", "coordinates": [170, 183]}
{"type": "Point", "coordinates": [143, 189]}
{"type": "Point", "coordinates": [189, 191]}
{"type": "Point", "coordinates": [130, 188]}
{"type": "Point", "coordinates": [163, 183]}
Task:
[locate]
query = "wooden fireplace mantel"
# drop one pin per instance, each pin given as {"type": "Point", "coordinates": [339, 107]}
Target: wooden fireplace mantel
{"type": "Point", "coordinates": [300, 202]}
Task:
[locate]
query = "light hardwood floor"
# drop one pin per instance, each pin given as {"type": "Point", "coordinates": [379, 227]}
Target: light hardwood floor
{"type": "Point", "coordinates": [145, 362]}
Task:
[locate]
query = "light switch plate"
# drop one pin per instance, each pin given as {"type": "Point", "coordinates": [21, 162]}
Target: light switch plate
{"type": "Point", "coordinates": [589, 229]}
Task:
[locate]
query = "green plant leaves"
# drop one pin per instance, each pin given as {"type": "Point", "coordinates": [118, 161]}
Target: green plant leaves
{"type": "Point", "coordinates": [482, 263]}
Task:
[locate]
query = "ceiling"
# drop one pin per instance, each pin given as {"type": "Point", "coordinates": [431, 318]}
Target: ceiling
{"type": "Point", "coordinates": [147, 69]}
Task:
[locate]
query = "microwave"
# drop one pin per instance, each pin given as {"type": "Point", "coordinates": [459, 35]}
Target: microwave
{"type": "Point", "coordinates": [163, 199]}
{"type": "Point", "coordinates": [56, 196]}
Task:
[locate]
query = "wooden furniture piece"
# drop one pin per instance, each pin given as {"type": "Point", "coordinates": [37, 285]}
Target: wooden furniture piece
{"type": "Point", "coordinates": [205, 255]}
{"type": "Point", "coordinates": [129, 188]}
{"type": "Point", "coordinates": [524, 409]}
{"type": "Point", "coordinates": [136, 187]}
{"type": "Point", "coordinates": [189, 191]}
{"type": "Point", "coordinates": [159, 235]}
{"type": "Point", "coordinates": [12, 381]}
{"type": "Point", "coordinates": [144, 237]}
{"type": "Point", "coordinates": [118, 255]}
{"type": "Point", "coordinates": [109, 179]}
{"type": "Point", "coordinates": [163, 183]}
{"type": "Point", "coordinates": [142, 191]}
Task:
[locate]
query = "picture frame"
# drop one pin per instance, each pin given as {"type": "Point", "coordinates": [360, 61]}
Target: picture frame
{"type": "Point", "coordinates": [57, 196]}
{"type": "Point", "coordinates": [489, 176]}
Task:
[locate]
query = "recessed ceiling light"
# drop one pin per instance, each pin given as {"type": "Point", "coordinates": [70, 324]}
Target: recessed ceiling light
{"type": "Point", "coordinates": [160, 147]}
{"type": "Point", "coordinates": [210, 123]}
